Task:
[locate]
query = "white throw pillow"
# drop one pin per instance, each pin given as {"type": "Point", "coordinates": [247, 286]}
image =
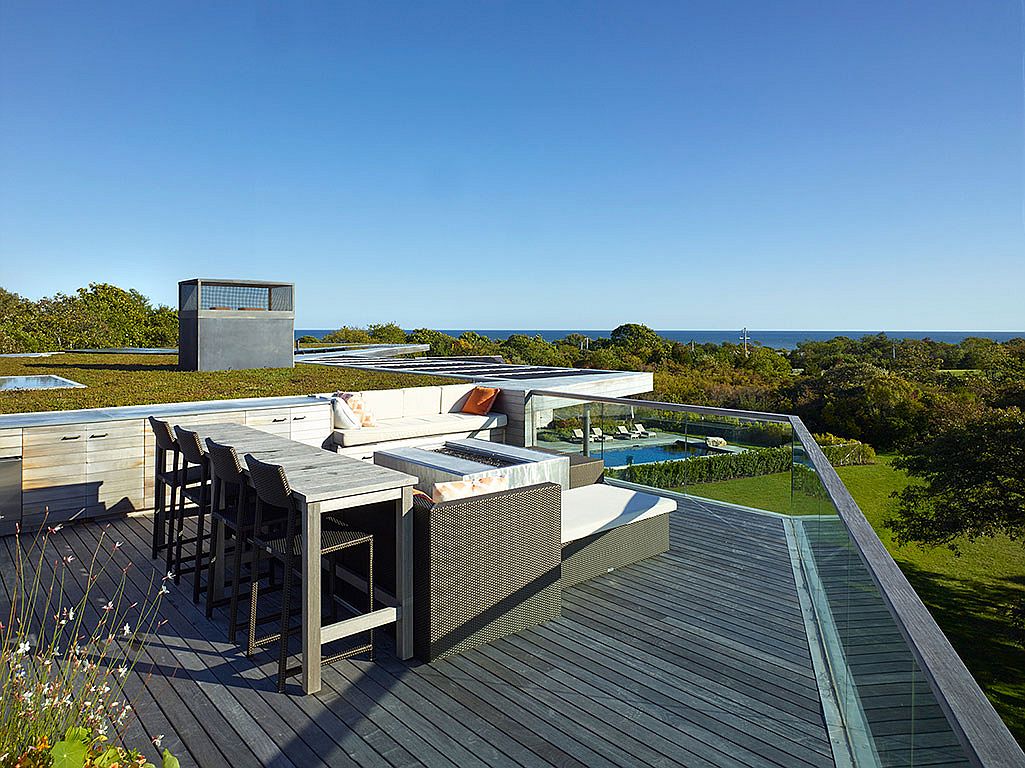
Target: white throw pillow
{"type": "Point", "coordinates": [344, 416]}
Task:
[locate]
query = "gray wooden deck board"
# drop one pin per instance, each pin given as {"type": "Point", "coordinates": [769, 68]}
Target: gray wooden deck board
{"type": "Point", "coordinates": [696, 658]}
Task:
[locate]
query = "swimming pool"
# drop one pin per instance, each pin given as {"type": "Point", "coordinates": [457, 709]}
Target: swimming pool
{"type": "Point", "coordinates": [46, 381]}
{"type": "Point", "coordinates": [645, 454]}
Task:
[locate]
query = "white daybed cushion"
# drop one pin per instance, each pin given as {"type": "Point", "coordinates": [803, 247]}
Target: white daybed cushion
{"type": "Point", "coordinates": [418, 426]}
{"type": "Point", "coordinates": [594, 508]}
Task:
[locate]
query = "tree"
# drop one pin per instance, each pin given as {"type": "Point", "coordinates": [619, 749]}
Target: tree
{"type": "Point", "coordinates": [472, 343]}
{"type": "Point", "coordinates": [347, 335]}
{"type": "Point", "coordinates": [641, 342]}
{"type": "Point", "coordinates": [974, 486]}
{"type": "Point", "coordinates": [532, 350]}
{"type": "Point", "coordinates": [100, 315]}
{"type": "Point", "coordinates": [865, 402]}
{"type": "Point", "coordinates": [442, 345]}
{"type": "Point", "coordinates": [15, 312]}
{"type": "Point", "coordinates": [387, 333]}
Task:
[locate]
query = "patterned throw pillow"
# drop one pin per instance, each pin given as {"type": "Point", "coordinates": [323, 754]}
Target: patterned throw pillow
{"type": "Point", "coordinates": [354, 400]}
{"type": "Point", "coordinates": [461, 489]}
{"type": "Point", "coordinates": [344, 417]}
{"type": "Point", "coordinates": [492, 484]}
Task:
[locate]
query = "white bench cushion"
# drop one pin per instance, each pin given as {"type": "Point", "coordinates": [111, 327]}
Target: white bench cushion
{"type": "Point", "coordinates": [418, 426]}
{"type": "Point", "coordinates": [594, 508]}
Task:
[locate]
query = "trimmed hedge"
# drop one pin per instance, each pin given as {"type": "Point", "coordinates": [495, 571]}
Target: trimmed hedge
{"type": "Point", "coordinates": [708, 469]}
{"type": "Point", "coordinates": [849, 454]}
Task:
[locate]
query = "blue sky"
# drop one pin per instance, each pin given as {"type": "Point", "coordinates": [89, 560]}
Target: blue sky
{"type": "Point", "coordinates": [523, 165]}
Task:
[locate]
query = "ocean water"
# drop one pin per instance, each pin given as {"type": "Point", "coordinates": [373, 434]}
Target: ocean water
{"type": "Point", "coordinates": [775, 339]}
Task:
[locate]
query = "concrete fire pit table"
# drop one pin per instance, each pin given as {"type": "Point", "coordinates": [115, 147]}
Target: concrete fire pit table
{"type": "Point", "coordinates": [470, 459]}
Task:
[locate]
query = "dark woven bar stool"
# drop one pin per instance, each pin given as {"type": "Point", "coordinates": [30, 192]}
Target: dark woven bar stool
{"type": "Point", "coordinates": [166, 482]}
{"type": "Point", "coordinates": [199, 493]}
{"type": "Point", "coordinates": [273, 491]}
{"type": "Point", "coordinates": [230, 503]}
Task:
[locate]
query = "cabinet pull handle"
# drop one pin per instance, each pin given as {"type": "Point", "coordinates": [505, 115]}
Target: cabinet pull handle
{"type": "Point", "coordinates": [70, 437]}
{"type": "Point", "coordinates": [298, 418]}
{"type": "Point", "coordinates": [275, 421]}
{"type": "Point", "coordinates": [104, 434]}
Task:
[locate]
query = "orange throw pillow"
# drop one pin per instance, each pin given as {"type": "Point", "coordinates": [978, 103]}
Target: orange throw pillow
{"type": "Point", "coordinates": [481, 400]}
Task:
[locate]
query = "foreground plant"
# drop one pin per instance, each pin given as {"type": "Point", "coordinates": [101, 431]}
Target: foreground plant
{"type": "Point", "coordinates": [64, 664]}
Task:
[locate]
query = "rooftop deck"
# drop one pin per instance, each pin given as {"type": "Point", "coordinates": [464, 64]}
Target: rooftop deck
{"type": "Point", "coordinates": [698, 657]}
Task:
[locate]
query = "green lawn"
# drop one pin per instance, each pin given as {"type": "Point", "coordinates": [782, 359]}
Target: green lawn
{"type": "Point", "coordinates": [113, 380]}
{"type": "Point", "coordinates": [967, 594]}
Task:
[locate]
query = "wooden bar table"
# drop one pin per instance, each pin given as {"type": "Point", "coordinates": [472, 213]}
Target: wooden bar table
{"type": "Point", "coordinates": [322, 482]}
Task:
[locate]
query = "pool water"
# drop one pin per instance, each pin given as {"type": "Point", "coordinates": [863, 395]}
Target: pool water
{"type": "Point", "coordinates": [37, 382]}
{"type": "Point", "coordinates": [645, 454]}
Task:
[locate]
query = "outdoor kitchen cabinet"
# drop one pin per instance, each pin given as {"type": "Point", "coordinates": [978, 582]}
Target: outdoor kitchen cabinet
{"type": "Point", "coordinates": [10, 480]}
{"type": "Point", "coordinates": [81, 470]}
{"type": "Point", "coordinates": [309, 424]}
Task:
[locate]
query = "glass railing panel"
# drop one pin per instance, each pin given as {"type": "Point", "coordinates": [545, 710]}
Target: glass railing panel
{"type": "Point", "coordinates": [740, 461]}
{"type": "Point", "coordinates": [889, 714]}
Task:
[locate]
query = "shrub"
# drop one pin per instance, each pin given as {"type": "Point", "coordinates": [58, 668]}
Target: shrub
{"type": "Point", "coordinates": [849, 454]}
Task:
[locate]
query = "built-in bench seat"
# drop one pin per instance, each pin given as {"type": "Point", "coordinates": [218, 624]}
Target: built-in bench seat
{"type": "Point", "coordinates": [417, 416]}
{"type": "Point", "coordinates": [418, 426]}
{"type": "Point", "coordinates": [605, 527]}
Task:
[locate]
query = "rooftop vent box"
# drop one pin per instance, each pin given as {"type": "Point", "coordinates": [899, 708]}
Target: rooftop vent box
{"type": "Point", "coordinates": [226, 325]}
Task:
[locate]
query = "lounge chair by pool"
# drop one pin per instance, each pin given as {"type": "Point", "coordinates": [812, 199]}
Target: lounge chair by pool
{"type": "Point", "coordinates": [640, 431]}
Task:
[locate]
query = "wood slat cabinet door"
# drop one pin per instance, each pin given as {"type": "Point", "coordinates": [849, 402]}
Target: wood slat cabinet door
{"type": "Point", "coordinates": [53, 473]}
{"type": "Point", "coordinates": [10, 443]}
{"type": "Point", "coordinates": [311, 424]}
{"type": "Point", "coordinates": [115, 466]}
{"type": "Point", "coordinates": [10, 501]}
{"type": "Point", "coordinates": [276, 421]}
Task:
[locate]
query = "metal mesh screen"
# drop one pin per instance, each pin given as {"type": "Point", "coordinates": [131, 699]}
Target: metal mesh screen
{"type": "Point", "coordinates": [281, 298]}
{"type": "Point", "coordinates": [188, 297]}
{"type": "Point", "coordinates": [235, 297]}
